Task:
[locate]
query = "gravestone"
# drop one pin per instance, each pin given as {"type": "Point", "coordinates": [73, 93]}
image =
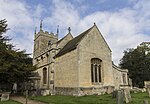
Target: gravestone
{"type": "Point", "coordinates": [127, 95]}
{"type": "Point", "coordinates": [5, 96]}
{"type": "Point", "coordinates": [144, 90]}
{"type": "Point", "coordinates": [145, 101]}
{"type": "Point", "coordinates": [120, 97]}
{"type": "Point", "coordinates": [114, 94]}
{"type": "Point", "coordinates": [147, 86]}
{"type": "Point", "coordinates": [109, 89]}
{"type": "Point", "coordinates": [148, 90]}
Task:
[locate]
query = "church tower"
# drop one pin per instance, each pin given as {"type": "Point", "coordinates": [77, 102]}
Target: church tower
{"type": "Point", "coordinates": [42, 41]}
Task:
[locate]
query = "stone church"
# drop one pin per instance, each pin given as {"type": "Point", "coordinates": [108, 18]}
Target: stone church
{"type": "Point", "coordinates": [80, 65]}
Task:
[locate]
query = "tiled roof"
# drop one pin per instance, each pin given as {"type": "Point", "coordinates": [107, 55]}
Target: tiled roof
{"type": "Point", "coordinates": [60, 39]}
{"type": "Point", "coordinates": [63, 38]}
{"type": "Point", "coordinates": [72, 44]}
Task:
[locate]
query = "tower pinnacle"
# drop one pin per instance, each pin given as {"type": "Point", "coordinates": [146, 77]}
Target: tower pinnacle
{"type": "Point", "coordinates": [41, 25]}
{"type": "Point", "coordinates": [35, 30]}
{"type": "Point", "coordinates": [57, 31]}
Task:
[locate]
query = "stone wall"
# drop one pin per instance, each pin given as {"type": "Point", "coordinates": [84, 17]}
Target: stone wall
{"type": "Point", "coordinates": [118, 76]}
{"type": "Point", "coordinates": [66, 91]}
{"type": "Point", "coordinates": [94, 46]}
{"type": "Point", "coordinates": [66, 70]}
{"type": "Point", "coordinates": [96, 90]}
{"type": "Point", "coordinates": [81, 91]}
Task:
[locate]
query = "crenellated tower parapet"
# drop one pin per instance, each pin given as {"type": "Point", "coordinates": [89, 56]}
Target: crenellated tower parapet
{"type": "Point", "coordinates": [43, 41]}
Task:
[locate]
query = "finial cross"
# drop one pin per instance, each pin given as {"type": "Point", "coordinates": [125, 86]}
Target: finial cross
{"type": "Point", "coordinates": [69, 29]}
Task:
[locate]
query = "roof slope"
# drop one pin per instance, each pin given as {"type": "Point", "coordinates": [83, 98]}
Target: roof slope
{"type": "Point", "coordinates": [72, 44]}
{"type": "Point", "coordinates": [63, 38]}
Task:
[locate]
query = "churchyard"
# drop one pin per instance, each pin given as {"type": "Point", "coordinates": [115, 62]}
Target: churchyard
{"type": "Point", "coordinates": [137, 98]}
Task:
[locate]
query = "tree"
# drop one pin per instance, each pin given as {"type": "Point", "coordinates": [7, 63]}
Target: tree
{"type": "Point", "coordinates": [15, 65]}
{"type": "Point", "coordinates": [3, 26]}
{"type": "Point", "coordinates": [137, 61]}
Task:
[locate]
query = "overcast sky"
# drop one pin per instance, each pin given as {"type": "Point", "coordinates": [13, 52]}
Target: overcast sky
{"type": "Point", "coordinates": [123, 23]}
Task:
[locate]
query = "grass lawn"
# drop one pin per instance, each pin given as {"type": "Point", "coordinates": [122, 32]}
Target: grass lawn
{"type": "Point", "coordinates": [104, 99]}
{"type": "Point", "coordinates": [9, 102]}
{"type": "Point", "coordinates": [139, 97]}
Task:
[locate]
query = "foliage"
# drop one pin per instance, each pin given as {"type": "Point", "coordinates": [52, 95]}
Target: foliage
{"type": "Point", "coordinates": [137, 61]}
{"type": "Point", "coordinates": [15, 65]}
{"type": "Point", "coordinates": [3, 26]}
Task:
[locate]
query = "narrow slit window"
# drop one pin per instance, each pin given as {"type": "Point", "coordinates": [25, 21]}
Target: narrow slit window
{"type": "Point", "coordinates": [44, 76]}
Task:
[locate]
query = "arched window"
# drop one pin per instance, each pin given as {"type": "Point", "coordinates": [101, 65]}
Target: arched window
{"type": "Point", "coordinates": [96, 70]}
{"type": "Point", "coordinates": [44, 75]}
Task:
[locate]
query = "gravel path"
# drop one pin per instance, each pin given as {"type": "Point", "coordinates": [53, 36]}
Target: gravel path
{"type": "Point", "coordinates": [23, 100]}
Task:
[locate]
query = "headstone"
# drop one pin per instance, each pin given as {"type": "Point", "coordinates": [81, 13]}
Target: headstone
{"type": "Point", "coordinates": [109, 89]}
{"type": "Point", "coordinates": [38, 92]}
{"type": "Point", "coordinates": [15, 88]}
{"type": "Point", "coordinates": [148, 90]}
{"type": "Point", "coordinates": [144, 90]}
{"type": "Point", "coordinates": [120, 97]}
{"type": "Point", "coordinates": [145, 101]}
{"type": "Point", "coordinates": [147, 86]}
{"type": "Point", "coordinates": [127, 95]}
{"type": "Point", "coordinates": [5, 96]}
{"type": "Point", "coordinates": [114, 94]}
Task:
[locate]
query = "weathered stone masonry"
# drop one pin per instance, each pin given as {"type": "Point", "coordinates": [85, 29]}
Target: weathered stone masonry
{"type": "Point", "coordinates": [76, 66]}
